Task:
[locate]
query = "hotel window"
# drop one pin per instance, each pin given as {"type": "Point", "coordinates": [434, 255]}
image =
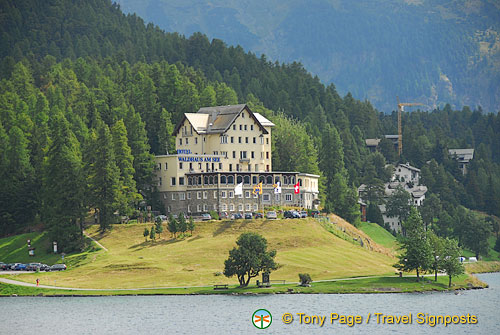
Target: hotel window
{"type": "Point", "coordinates": [180, 141]}
{"type": "Point", "coordinates": [220, 166]}
{"type": "Point", "coordinates": [241, 127]}
{"type": "Point", "coordinates": [231, 194]}
{"type": "Point", "coordinates": [198, 208]}
{"type": "Point", "coordinates": [248, 207]}
{"type": "Point", "coordinates": [234, 127]}
{"type": "Point", "coordinates": [172, 181]}
{"type": "Point", "coordinates": [215, 194]}
{"type": "Point", "coordinates": [187, 141]}
{"type": "Point", "coordinates": [267, 154]}
{"type": "Point", "coordinates": [253, 154]}
{"type": "Point", "coordinates": [254, 140]}
{"type": "Point", "coordinates": [246, 139]}
{"type": "Point", "coordinates": [256, 167]}
{"type": "Point", "coordinates": [223, 207]}
{"type": "Point", "coordinates": [251, 127]}
{"type": "Point", "coordinates": [255, 207]}
{"type": "Point", "coordinates": [196, 140]}
{"type": "Point", "coordinates": [223, 194]}
{"type": "Point", "coordinates": [247, 194]}
{"type": "Point", "coordinates": [180, 165]}
{"type": "Point", "coordinates": [239, 139]}
{"type": "Point", "coordinates": [182, 196]}
{"type": "Point", "coordinates": [243, 154]}
{"type": "Point", "coordinates": [245, 127]}
{"type": "Point", "coordinates": [230, 167]}
{"type": "Point", "coordinates": [173, 196]}
{"type": "Point", "coordinates": [267, 140]}
{"type": "Point", "coordinates": [261, 155]}
{"type": "Point", "coordinates": [165, 196]}
{"type": "Point", "coordinates": [232, 139]}
{"type": "Point", "coordinates": [237, 167]}
{"type": "Point", "coordinates": [240, 196]}
{"type": "Point", "coordinates": [243, 116]}
{"type": "Point", "coordinates": [288, 197]}
{"type": "Point", "coordinates": [240, 207]}
{"type": "Point", "coordinates": [190, 166]}
{"type": "Point", "coordinates": [168, 209]}
{"type": "Point", "coordinates": [205, 195]}
{"type": "Point", "coordinates": [231, 207]}
{"type": "Point", "coordinates": [189, 209]}
{"type": "Point", "coordinates": [277, 197]}
{"type": "Point", "coordinates": [181, 180]}
{"type": "Point", "coordinates": [261, 139]}
{"type": "Point", "coordinates": [198, 195]}
{"type": "Point", "coordinates": [234, 154]}
{"type": "Point", "coordinates": [215, 207]}
{"type": "Point", "coordinates": [159, 182]}
{"type": "Point", "coordinates": [165, 166]}
{"type": "Point", "coordinates": [205, 207]}
{"type": "Point", "coordinates": [266, 197]}
{"type": "Point", "coordinates": [189, 195]}
{"type": "Point", "coordinates": [254, 180]}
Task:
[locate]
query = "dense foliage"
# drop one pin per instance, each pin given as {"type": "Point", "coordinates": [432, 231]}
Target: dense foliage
{"type": "Point", "coordinates": [90, 95]}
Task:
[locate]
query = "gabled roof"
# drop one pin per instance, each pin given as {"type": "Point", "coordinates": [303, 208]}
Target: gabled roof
{"type": "Point", "coordinates": [217, 120]}
{"type": "Point", "coordinates": [409, 167]}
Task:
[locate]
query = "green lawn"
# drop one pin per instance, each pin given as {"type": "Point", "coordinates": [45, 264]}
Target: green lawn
{"type": "Point", "coordinates": [303, 245]}
{"type": "Point", "coordinates": [379, 234]}
{"type": "Point", "coordinates": [365, 285]}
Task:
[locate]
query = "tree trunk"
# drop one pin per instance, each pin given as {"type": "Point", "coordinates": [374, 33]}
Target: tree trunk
{"type": "Point", "coordinates": [436, 275]}
{"type": "Point", "coordinates": [418, 278]}
{"type": "Point", "coordinates": [449, 283]}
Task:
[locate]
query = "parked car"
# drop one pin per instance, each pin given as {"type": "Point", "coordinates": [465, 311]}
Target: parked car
{"type": "Point", "coordinates": [58, 267]}
{"type": "Point", "coordinates": [2, 264]}
{"type": "Point", "coordinates": [291, 215]}
{"type": "Point", "coordinates": [37, 266]}
{"type": "Point", "coordinates": [206, 217]}
{"type": "Point", "coordinates": [223, 215]}
{"type": "Point", "coordinates": [236, 216]}
{"type": "Point", "coordinates": [303, 214]}
{"type": "Point", "coordinates": [7, 266]}
{"type": "Point", "coordinates": [271, 215]}
{"type": "Point", "coordinates": [258, 215]}
{"type": "Point", "coordinates": [18, 267]}
{"type": "Point", "coordinates": [248, 216]}
{"type": "Point", "coordinates": [314, 213]}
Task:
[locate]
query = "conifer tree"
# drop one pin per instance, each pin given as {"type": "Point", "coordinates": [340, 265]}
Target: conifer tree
{"type": "Point", "coordinates": [63, 186]}
{"type": "Point", "coordinates": [172, 225]}
{"type": "Point", "coordinates": [104, 177]}
{"type": "Point", "coordinates": [145, 233]}
{"type": "Point", "coordinates": [124, 161]}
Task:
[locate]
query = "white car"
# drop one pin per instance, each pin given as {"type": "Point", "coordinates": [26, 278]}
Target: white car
{"type": "Point", "coordinates": [271, 215]}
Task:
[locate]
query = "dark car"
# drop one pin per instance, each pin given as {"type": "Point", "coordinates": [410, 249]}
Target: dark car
{"type": "Point", "coordinates": [258, 215]}
{"type": "Point", "coordinates": [18, 267]}
{"type": "Point", "coordinates": [236, 216]}
{"type": "Point", "coordinates": [2, 264]}
{"type": "Point", "coordinates": [291, 215]}
{"type": "Point", "coordinates": [58, 267]}
{"type": "Point", "coordinates": [248, 216]}
{"type": "Point", "coordinates": [37, 267]}
{"type": "Point", "coordinates": [314, 213]}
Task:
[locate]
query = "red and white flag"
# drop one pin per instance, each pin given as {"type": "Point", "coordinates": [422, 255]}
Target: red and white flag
{"type": "Point", "coordinates": [296, 188]}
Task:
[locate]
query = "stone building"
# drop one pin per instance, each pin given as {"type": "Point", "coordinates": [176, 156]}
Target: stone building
{"type": "Point", "coordinates": [219, 148]}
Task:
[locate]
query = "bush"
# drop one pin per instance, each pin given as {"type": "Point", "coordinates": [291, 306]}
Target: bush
{"type": "Point", "coordinates": [214, 215]}
{"type": "Point", "coordinates": [305, 279]}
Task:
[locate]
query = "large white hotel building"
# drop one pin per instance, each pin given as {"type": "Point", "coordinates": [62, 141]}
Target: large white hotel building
{"type": "Point", "coordinates": [219, 148]}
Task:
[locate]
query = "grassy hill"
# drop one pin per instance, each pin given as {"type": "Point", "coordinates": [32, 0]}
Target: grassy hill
{"type": "Point", "coordinates": [303, 245]}
{"type": "Point", "coordinates": [379, 234]}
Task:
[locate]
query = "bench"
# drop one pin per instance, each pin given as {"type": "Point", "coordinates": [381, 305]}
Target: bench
{"type": "Point", "coordinates": [221, 287]}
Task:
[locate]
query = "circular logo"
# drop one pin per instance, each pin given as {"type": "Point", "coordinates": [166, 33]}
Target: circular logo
{"type": "Point", "coordinates": [262, 318]}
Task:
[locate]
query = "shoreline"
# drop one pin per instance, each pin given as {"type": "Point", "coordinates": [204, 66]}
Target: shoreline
{"type": "Point", "coordinates": [370, 285]}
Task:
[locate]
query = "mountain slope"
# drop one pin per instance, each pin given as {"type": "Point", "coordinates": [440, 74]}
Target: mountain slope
{"type": "Point", "coordinates": [434, 52]}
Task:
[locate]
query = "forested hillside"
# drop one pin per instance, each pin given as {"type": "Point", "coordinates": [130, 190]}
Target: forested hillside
{"type": "Point", "coordinates": [431, 51]}
{"type": "Point", "coordinates": [88, 95]}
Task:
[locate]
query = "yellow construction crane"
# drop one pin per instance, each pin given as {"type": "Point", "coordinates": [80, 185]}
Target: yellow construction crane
{"type": "Point", "coordinates": [401, 106]}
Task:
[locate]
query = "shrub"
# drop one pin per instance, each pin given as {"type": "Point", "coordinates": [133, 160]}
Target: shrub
{"type": "Point", "coordinates": [305, 279]}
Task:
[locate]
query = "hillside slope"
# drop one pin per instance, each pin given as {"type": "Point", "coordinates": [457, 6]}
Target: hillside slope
{"type": "Point", "coordinates": [302, 246]}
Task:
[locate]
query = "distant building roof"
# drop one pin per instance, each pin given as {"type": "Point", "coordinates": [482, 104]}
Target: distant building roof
{"type": "Point", "coordinates": [392, 137]}
{"type": "Point", "coordinates": [372, 142]}
{"type": "Point", "coordinates": [218, 119]}
{"type": "Point", "coordinates": [409, 167]}
{"type": "Point", "coordinates": [464, 155]}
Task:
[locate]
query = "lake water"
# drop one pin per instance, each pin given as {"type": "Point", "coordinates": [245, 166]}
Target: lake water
{"type": "Point", "coordinates": [233, 314]}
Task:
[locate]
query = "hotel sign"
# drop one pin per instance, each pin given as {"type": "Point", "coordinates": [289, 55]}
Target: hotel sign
{"type": "Point", "coordinates": [196, 158]}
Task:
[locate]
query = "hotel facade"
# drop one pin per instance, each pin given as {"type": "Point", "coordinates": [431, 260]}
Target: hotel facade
{"type": "Point", "coordinates": [219, 148]}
